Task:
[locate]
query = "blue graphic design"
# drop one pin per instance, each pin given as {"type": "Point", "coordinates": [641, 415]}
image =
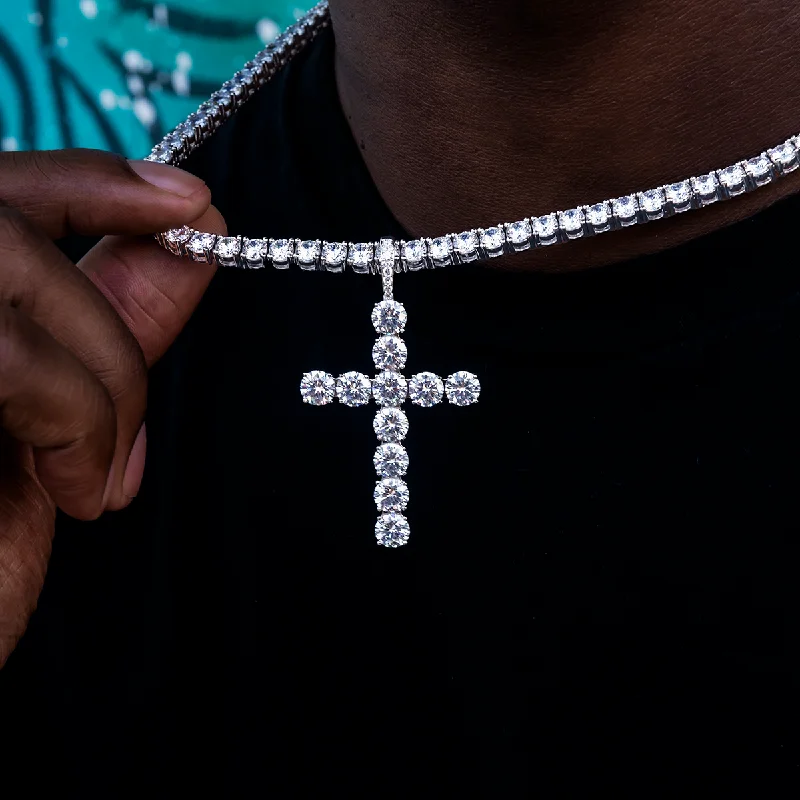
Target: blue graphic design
{"type": "Point", "coordinates": [117, 74]}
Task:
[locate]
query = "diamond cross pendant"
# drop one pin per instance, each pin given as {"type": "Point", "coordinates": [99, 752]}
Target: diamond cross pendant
{"type": "Point", "coordinates": [390, 390]}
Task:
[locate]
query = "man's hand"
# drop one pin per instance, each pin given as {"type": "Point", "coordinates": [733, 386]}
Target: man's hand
{"type": "Point", "coordinates": [76, 342]}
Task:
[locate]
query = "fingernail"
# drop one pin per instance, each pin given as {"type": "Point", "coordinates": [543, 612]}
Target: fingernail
{"type": "Point", "coordinates": [132, 479]}
{"type": "Point", "coordinates": [166, 177]}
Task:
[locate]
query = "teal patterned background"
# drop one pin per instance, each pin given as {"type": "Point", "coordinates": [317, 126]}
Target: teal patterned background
{"type": "Point", "coordinates": [117, 74]}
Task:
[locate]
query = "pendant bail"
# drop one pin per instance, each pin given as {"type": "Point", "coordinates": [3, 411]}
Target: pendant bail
{"type": "Point", "coordinates": [386, 257]}
{"type": "Point", "coordinates": [387, 275]}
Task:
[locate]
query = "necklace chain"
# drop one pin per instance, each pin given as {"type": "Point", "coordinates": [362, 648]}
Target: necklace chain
{"type": "Point", "coordinates": [479, 243]}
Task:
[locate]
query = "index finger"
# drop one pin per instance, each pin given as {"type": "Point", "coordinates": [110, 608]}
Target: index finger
{"type": "Point", "coordinates": [94, 193]}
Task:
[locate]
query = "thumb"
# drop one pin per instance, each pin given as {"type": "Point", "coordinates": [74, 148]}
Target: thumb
{"type": "Point", "coordinates": [153, 291]}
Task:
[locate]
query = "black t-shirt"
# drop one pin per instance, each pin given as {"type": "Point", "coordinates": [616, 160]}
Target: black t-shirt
{"type": "Point", "coordinates": [598, 594]}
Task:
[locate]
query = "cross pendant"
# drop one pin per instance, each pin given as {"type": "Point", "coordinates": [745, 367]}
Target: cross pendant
{"type": "Point", "coordinates": [390, 390]}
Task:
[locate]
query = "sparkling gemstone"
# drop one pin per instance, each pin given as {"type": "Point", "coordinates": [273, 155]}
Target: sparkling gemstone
{"type": "Point", "coordinates": [353, 389]}
{"type": "Point", "coordinates": [705, 186]}
{"type": "Point", "coordinates": [178, 236]}
{"type": "Point", "coordinates": [317, 388]}
{"type": "Point", "coordinates": [390, 353]}
{"type": "Point", "coordinates": [281, 250]}
{"type": "Point", "coordinates": [200, 244]}
{"type": "Point", "coordinates": [360, 256]}
{"type": "Point", "coordinates": [391, 460]}
{"type": "Point", "coordinates": [732, 178]}
{"type": "Point", "coordinates": [386, 252]}
{"type": "Point", "coordinates": [425, 389]}
{"type": "Point", "coordinates": [598, 214]}
{"type": "Point", "coordinates": [784, 156]}
{"type": "Point", "coordinates": [679, 194]}
{"type": "Point", "coordinates": [652, 201]}
{"type": "Point", "coordinates": [414, 251]}
{"type": "Point", "coordinates": [572, 220]}
{"type": "Point", "coordinates": [519, 232]}
{"type": "Point", "coordinates": [227, 248]}
{"type": "Point", "coordinates": [466, 243]}
{"type": "Point", "coordinates": [545, 227]}
{"type": "Point", "coordinates": [221, 98]}
{"type": "Point", "coordinates": [391, 494]}
{"type": "Point", "coordinates": [391, 530]}
{"type": "Point", "coordinates": [625, 207]}
{"type": "Point", "coordinates": [307, 252]}
{"type": "Point", "coordinates": [759, 167]}
{"type": "Point", "coordinates": [463, 388]}
{"type": "Point", "coordinates": [440, 248]}
{"type": "Point", "coordinates": [334, 253]}
{"type": "Point", "coordinates": [389, 388]}
{"type": "Point", "coordinates": [255, 250]}
{"type": "Point", "coordinates": [389, 316]}
{"type": "Point", "coordinates": [390, 425]}
{"type": "Point", "coordinates": [492, 239]}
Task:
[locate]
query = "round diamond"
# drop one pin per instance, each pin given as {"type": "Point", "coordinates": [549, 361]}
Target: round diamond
{"type": "Point", "coordinates": [317, 388]}
{"type": "Point", "coordinates": [597, 214]}
{"type": "Point", "coordinates": [440, 248]}
{"type": "Point", "coordinates": [390, 352]}
{"type": "Point", "coordinates": [391, 494]}
{"type": "Point", "coordinates": [426, 389]}
{"type": "Point", "coordinates": [518, 232]}
{"type": "Point", "coordinates": [732, 177]}
{"type": "Point", "coordinates": [391, 460]}
{"type": "Point", "coordinates": [492, 239]}
{"type": "Point", "coordinates": [334, 253]}
{"type": "Point", "coordinates": [200, 244]}
{"type": "Point", "coordinates": [463, 388]}
{"type": "Point", "coordinates": [178, 235]}
{"type": "Point", "coordinates": [307, 252]}
{"type": "Point", "coordinates": [389, 316]}
{"type": "Point", "coordinates": [652, 201]}
{"type": "Point", "coordinates": [390, 425]}
{"type": "Point", "coordinates": [572, 220]}
{"type": "Point", "coordinates": [414, 251]}
{"type": "Point", "coordinates": [360, 256]}
{"type": "Point", "coordinates": [624, 207]}
{"type": "Point", "coordinates": [255, 250]}
{"type": "Point", "coordinates": [353, 389]}
{"type": "Point", "coordinates": [679, 194]}
{"type": "Point", "coordinates": [228, 246]}
{"type": "Point", "coordinates": [391, 530]}
{"type": "Point", "coordinates": [545, 227]}
{"type": "Point", "coordinates": [280, 250]}
{"type": "Point", "coordinates": [466, 243]}
{"type": "Point", "coordinates": [389, 388]}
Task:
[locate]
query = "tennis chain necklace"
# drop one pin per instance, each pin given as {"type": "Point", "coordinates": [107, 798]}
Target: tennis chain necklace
{"type": "Point", "coordinates": [389, 387]}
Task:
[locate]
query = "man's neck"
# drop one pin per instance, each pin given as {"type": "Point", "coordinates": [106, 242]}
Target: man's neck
{"type": "Point", "coordinates": [469, 113]}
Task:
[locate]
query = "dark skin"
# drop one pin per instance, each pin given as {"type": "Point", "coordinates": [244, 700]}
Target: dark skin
{"type": "Point", "coordinates": [473, 112]}
{"type": "Point", "coordinates": [468, 114]}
